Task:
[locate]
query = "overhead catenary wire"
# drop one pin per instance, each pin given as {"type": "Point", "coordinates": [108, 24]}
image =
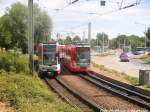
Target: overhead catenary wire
{"type": "Point", "coordinates": [137, 2]}
{"type": "Point", "coordinates": [110, 12]}
{"type": "Point", "coordinates": [69, 4]}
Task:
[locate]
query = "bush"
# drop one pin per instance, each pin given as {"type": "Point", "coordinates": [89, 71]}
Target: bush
{"type": "Point", "coordinates": [12, 61]}
{"type": "Point", "coordinates": [28, 94]}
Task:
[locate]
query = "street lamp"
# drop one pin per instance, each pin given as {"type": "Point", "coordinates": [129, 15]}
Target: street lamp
{"type": "Point", "coordinates": [145, 29]}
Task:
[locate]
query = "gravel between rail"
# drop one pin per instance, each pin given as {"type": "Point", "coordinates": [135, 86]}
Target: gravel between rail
{"type": "Point", "coordinates": [71, 96]}
{"type": "Point", "coordinates": [138, 98]}
{"type": "Point", "coordinates": [99, 96]}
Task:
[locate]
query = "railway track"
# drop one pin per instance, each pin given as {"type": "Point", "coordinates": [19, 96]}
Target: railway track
{"type": "Point", "coordinates": [128, 94]}
{"type": "Point", "coordinates": [71, 96]}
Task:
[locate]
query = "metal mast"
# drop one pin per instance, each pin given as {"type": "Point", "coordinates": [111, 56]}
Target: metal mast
{"type": "Point", "coordinates": [31, 39]}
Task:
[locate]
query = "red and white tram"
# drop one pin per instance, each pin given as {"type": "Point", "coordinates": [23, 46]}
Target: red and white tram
{"type": "Point", "coordinates": [77, 57]}
{"type": "Point", "coordinates": [48, 59]}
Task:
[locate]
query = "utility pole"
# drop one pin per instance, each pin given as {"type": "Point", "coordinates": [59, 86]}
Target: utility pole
{"type": "Point", "coordinates": [108, 43]}
{"type": "Point", "coordinates": [98, 46]}
{"type": "Point", "coordinates": [89, 32]}
{"type": "Point", "coordinates": [83, 38]}
{"type": "Point", "coordinates": [119, 42]}
{"type": "Point", "coordinates": [124, 44]}
{"type": "Point", "coordinates": [31, 35]}
{"type": "Point", "coordinates": [103, 43]}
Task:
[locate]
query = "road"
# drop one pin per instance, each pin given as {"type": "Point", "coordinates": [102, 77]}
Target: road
{"type": "Point", "coordinates": [112, 61]}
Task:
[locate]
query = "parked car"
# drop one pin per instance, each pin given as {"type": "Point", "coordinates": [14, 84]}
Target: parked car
{"type": "Point", "coordinates": [124, 57]}
{"type": "Point", "coordinates": [139, 50]}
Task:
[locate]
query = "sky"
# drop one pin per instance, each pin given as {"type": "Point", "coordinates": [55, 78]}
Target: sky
{"type": "Point", "coordinates": [73, 19]}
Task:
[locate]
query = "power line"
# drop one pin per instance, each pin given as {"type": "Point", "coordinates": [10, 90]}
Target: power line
{"type": "Point", "coordinates": [69, 4]}
{"type": "Point", "coordinates": [74, 1]}
{"type": "Point", "coordinates": [138, 2]}
{"type": "Point", "coordinates": [110, 12]}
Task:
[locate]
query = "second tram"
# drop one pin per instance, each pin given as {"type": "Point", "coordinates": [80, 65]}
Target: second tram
{"type": "Point", "coordinates": [77, 57]}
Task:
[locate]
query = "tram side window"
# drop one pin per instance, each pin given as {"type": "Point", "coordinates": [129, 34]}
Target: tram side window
{"type": "Point", "coordinates": [67, 54]}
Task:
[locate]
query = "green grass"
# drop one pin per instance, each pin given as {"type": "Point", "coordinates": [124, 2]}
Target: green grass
{"type": "Point", "coordinates": [27, 94]}
{"type": "Point", "coordinates": [148, 86]}
{"type": "Point", "coordinates": [132, 80]}
{"type": "Point", "coordinates": [147, 58]}
{"type": "Point", "coordinates": [23, 92]}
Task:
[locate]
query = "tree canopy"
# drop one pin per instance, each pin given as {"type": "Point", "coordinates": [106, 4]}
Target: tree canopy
{"type": "Point", "coordinates": [42, 25]}
{"type": "Point", "coordinates": [102, 37]}
{"type": "Point", "coordinates": [148, 36]}
{"type": "Point", "coordinates": [14, 27]}
{"type": "Point", "coordinates": [68, 40]}
{"type": "Point", "coordinates": [76, 39]}
{"type": "Point", "coordinates": [133, 40]}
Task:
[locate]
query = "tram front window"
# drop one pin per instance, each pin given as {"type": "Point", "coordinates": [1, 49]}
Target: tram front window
{"type": "Point", "coordinates": [49, 55]}
{"type": "Point", "coordinates": [49, 58]}
{"type": "Point", "coordinates": [83, 55]}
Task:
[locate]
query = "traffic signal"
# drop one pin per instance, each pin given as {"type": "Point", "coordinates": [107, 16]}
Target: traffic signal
{"type": "Point", "coordinates": [102, 2]}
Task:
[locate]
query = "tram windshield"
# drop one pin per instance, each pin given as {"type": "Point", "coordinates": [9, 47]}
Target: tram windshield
{"type": "Point", "coordinates": [49, 55]}
{"type": "Point", "coordinates": [83, 54]}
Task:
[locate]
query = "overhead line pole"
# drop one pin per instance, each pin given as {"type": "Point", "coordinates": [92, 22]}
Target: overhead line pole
{"type": "Point", "coordinates": [121, 4]}
{"type": "Point", "coordinates": [31, 39]}
{"type": "Point", "coordinates": [89, 32]}
{"type": "Point", "coordinates": [103, 43]}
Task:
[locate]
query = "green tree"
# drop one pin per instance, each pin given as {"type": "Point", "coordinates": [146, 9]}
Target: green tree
{"type": "Point", "coordinates": [5, 35]}
{"type": "Point", "coordinates": [68, 40]}
{"type": "Point", "coordinates": [133, 40]}
{"type": "Point", "coordinates": [122, 40]}
{"type": "Point", "coordinates": [14, 27]}
{"type": "Point", "coordinates": [100, 37]}
{"type": "Point", "coordinates": [93, 43]}
{"type": "Point", "coordinates": [113, 43]}
{"type": "Point", "coordinates": [136, 41]}
{"type": "Point", "coordinates": [76, 39]}
{"type": "Point", "coordinates": [148, 36]}
{"type": "Point", "coordinates": [42, 25]}
{"type": "Point", "coordinates": [60, 41]}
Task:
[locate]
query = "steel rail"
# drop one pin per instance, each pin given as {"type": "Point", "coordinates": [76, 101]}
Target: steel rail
{"type": "Point", "coordinates": [86, 100]}
{"type": "Point", "coordinates": [89, 103]}
{"type": "Point", "coordinates": [135, 97]}
{"type": "Point", "coordinates": [147, 98]}
{"type": "Point", "coordinates": [122, 84]}
{"type": "Point", "coordinates": [61, 94]}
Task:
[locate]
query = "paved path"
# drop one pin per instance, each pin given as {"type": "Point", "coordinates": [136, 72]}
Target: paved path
{"type": "Point", "coordinates": [113, 62]}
